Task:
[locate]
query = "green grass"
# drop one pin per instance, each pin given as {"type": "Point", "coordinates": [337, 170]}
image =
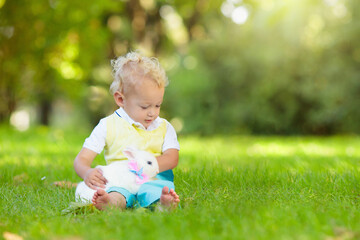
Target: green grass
{"type": "Point", "coordinates": [237, 187]}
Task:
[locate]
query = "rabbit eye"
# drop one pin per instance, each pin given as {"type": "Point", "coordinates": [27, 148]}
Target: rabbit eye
{"type": "Point", "coordinates": [148, 162]}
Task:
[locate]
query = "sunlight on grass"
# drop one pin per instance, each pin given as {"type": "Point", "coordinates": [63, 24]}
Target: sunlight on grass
{"type": "Point", "coordinates": [252, 146]}
{"type": "Point", "coordinates": [299, 153]}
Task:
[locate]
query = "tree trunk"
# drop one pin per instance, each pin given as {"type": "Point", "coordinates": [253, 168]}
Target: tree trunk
{"type": "Point", "coordinates": [45, 111]}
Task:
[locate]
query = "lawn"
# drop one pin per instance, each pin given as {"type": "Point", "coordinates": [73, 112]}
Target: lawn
{"type": "Point", "coordinates": [231, 187]}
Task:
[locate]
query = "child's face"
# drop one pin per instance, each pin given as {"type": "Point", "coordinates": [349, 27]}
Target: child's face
{"type": "Point", "coordinates": [142, 102]}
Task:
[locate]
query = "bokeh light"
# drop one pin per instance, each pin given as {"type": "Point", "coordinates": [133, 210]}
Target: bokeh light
{"type": "Point", "coordinates": [20, 120]}
{"type": "Point", "coordinates": [238, 14]}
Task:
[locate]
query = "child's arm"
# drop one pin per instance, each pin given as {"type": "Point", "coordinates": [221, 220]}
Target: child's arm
{"type": "Point", "coordinates": [168, 160]}
{"type": "Point", "coordinates": [92, 176]}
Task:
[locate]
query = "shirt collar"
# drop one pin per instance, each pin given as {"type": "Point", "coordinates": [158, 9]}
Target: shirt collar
{"type": "Point", "coordinates": [126, 117]}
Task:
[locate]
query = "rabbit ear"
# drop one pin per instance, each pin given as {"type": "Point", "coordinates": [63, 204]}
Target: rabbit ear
{"type": "Point", "coordinates": [129, 152]}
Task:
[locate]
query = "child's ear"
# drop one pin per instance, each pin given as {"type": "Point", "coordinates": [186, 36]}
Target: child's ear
{"type": "Point", "coordinates": [119, 98]}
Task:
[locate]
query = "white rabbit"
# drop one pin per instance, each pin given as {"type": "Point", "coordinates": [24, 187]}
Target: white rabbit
{"type": "Point", "coordinates": [141, 167]}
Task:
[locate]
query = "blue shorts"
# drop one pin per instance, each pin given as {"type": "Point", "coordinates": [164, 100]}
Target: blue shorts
{"type": "Point", "coordinates": [149, 192]}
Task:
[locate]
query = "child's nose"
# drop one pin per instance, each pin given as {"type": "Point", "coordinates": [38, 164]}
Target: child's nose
{"type": "Point", "coordinates": [151, 113]}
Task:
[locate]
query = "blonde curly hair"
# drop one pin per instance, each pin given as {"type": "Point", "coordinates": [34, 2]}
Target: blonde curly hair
{"type": "Point", "coordinates": [132, 68]}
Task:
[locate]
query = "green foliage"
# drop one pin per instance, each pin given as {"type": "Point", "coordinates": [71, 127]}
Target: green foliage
{"type": "Point", "coordinates": [230, 187]}
{"type": "Point", "coordinates": [291, 68]}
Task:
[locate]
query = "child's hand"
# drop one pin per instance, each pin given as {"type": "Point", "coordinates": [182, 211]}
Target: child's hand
{"type": "Point", "coordinates": [95, 179]}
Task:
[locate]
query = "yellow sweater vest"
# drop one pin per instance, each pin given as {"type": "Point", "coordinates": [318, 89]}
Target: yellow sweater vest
{"type": "Point", "coordinates": [120, 134]}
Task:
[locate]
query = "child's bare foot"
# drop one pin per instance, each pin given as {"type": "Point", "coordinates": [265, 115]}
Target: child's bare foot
{"type": "Point", "coordinates": [102, 199]}
{"type": "Point", "coordinates": [169, 199]}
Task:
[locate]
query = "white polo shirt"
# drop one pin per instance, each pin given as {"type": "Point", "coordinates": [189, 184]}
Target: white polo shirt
{"type": "Point", "coordinates": [96, 140]}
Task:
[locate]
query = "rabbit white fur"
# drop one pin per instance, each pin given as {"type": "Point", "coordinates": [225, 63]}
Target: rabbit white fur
{"type": "Point", "coordinates": [120, 174]}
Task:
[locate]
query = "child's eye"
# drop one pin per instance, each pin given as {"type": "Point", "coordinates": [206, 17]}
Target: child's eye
{"type": "Point", "coordinates": [148, 162]}
{"type": "Point", "coordinates": [144, 107]}
{"type": "Point", "coordinates": [158, 106]}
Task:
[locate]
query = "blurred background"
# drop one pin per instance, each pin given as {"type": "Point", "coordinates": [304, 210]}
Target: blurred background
{"type": "Point", "coordinates": [235, 66]}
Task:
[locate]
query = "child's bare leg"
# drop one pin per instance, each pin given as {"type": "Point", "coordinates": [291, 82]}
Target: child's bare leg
{"type": "Point", "coordinates": [102, 200]}
{"type": "Point", "coordinates": [169, 199]}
